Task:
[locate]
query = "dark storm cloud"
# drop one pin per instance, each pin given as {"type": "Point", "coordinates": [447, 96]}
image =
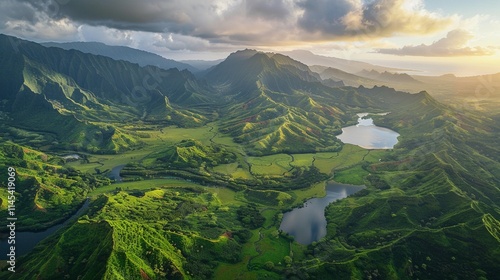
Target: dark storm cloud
{"type": "Point", "coordinates": [251, 22]}
{"type": "Point", "coordinates": [269, 10]}
{"type": "Point", "coordinates": [324, 16]}
{"type": "Point", "coordinates": [452, 45]}
{"type": "Point", "coordinates": [188, 17]}
{"type": "Point", "coordinates": [149, 15]}
{"type": "Point", "coordinates": [13, 10]}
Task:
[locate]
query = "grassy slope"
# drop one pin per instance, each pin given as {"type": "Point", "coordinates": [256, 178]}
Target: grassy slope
{"type": "Point", "coordinates": [278, 105]}
{"type": "Point", "coordinates": [408, 180]}
{"type": "Point", "coordinates": [425, 214]}
{"type": "Point", "coordinates": [395, 214]}
{"type": "Point", "coordinates": [89, 96]}
{"type": "Point", "coordinates": [431, 206]}
{"type": "Point", "coordinates": [175, 233]}
{"type": "Point", "coordinates": [81, 251]}
{"type": "Point", "coordinates": [46, 192]}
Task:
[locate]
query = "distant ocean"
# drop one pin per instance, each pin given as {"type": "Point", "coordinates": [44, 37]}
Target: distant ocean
{"type": "Point", "coordinates": [459, 67]}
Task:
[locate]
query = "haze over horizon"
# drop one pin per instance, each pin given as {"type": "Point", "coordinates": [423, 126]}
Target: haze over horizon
{"type": "Point", "coordinates": [431, 37]}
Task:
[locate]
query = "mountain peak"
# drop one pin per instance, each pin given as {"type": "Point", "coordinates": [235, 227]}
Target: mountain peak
{"type": "Point", "coordinates": [243, 69]}
{"type": "Point", "coordinates": [242, 54]}
{"type": "Point", "coordinates": [245, 52]}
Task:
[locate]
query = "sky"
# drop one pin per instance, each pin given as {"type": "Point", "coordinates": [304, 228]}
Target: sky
{"type": "Point", "coordinates": [433, 37]}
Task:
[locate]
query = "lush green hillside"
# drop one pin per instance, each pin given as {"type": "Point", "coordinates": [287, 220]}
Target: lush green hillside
{"type": "Point", "coordinates": [81, 251]}
{"type": "Point", "coordinates": [206, 202]}
{"type": "Point", "coordinates": [129, 240]}
{"type": "Point", "coordinates": [192, 153]}
{"type": "Point", "coordinates": [81, 91]}
{"type": "Point", "coordinates": [281, 106]}
{"type": "Point", "coordinates": [46, 192]}
{"type": "Point", "coordinates": [432, 209]}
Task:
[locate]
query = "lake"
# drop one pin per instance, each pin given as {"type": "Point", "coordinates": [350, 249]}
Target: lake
{"type": "Point", "coordinates": [367, 135]}
{"type": "Point", "coordinates": [27, 240]}
{"type": "Point", "coordinates": [308, 223]}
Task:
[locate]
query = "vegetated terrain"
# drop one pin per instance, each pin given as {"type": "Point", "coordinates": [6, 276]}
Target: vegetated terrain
{"type": "Point", "coordinates": [47, 192]}
{"type": "Point", "coordinates": [478, 93]}
{"type": "Point", "coordinates": [211, 165]}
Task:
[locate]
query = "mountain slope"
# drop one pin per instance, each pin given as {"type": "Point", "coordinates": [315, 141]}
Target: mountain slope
{"type": "Point", "coordinates": [274, 110]}
{"type": "Point", "coordinates": [388, 77]}
{"type": "Point", "coordinates": [347, 78]}
{"type": "Point", "coordinates": [192, 153]}
{"type": "Point", "coordinates": [140, 57]}
{"type": "Point", "coordinates": [431, 208]}
{"type": "Point", "coordinates": [81, 91]}
{"type": "Point", "coordinates": [202, 64]}
{"type": "Point", "coordinates": [278, 104]}
{"type": "Point", "coordinates": [46, 192]}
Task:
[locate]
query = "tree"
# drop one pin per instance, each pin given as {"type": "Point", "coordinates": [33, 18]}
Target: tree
{"type": "Point", "coordinates": [269, 265]}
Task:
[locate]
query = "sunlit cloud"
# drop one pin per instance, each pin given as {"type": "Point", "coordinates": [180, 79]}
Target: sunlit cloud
{"type": "Point", "coordinates": [355, 19]}
{"type": "Point", "coordinates": [454, 44]}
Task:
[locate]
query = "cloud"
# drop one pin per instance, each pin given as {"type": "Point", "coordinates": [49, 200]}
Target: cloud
{"type": "Point", "coordinates": [109, 36]}
{"type": "Point", "coordinates": [165, 44]}
{"type": "Point", "coordinates": [27, 21]}
{"type": "Point", "coordinates": [454, 44]}
{"type": "Point", "coordinates": [176, 42]}
{"type": "Point", "coordinates": [356, 19]}
{"type": "Point", "coordinates": [235, 22]}
{"type": "Point", "coordinates": [269, 10]}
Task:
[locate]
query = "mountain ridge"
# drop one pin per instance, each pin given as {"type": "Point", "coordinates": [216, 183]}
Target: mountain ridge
{"type": "Point", "coordinates": [350, 66]}
{"type": "Point", "coordinates": [79, 84]}
{"type": "Point", "coordinates": [211, 166]}
{"type": "Point", "coordinates": [140, 57]}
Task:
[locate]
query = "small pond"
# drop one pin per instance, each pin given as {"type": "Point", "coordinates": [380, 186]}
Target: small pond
{"type": "Point", "coordinates": [308, 223]}
{"type": "Point", "coordinates": [367, 135]}
{"type": "Point", "coordinates": [114, 174]}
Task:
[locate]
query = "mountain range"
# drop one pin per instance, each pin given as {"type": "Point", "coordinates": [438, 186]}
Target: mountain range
{"type": "Point", "coordinates": [85, 100]}
{"type": "Point", "coordinates": [346, 65]}
{"type": "Point", "coordinates": [140, 57]}
{"type": "Point", "coordinates": [333, 71]}
{"type": "Point", "coordinates": [211, 161]}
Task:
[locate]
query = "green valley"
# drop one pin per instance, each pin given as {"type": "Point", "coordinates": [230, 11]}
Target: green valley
{"type": "Point", "coordinates": [209, 164]}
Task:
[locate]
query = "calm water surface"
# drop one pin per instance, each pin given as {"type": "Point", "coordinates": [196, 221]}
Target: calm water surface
{"type": "Point", "coordinates": [114, 174]}
{"type": "Point", "coordinates": [369, 136]}
{"type": "Point", "coordinates": [308, 223]}
{"type": "Point", "coordinates": [27, 240]}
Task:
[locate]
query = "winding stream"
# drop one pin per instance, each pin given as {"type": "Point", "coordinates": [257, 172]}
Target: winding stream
{"type": "Point", "coordinates": [27, 240]}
